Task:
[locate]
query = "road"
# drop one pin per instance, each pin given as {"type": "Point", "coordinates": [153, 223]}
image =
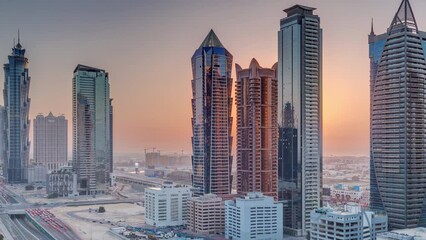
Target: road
{"type": "Point", "coordinates": [15, 231]}
{"type": "Point", "coordinates": [19, 227]}
{"type": "Point", "coordinates": [28, 228]}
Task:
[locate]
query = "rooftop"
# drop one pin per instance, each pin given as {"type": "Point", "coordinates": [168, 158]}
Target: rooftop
{"type": "Point", "coordinates": [299, 9]}
{"type": "Point", "coordinates": [81, 67]}
{"type": "Point", "coordinates": [211, 40]}
{"type": "Point", "coordinates": [404, 234]}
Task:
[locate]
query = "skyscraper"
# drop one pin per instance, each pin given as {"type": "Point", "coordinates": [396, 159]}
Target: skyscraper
{"type": "Point", "coordinates": [51, 141]}
{"type": "Point", "coordinates": [92, 130]}
{"type": "Point", "coordinates": [211, 121]}
{"type": "Point", "coordinates": [299, 117]}
{"type": "Point", "coordinates": [17, 123]}
{"type": "Point", "coordinates": [256, 94]}
{"type": "Point", "coordinates": [397, 121]}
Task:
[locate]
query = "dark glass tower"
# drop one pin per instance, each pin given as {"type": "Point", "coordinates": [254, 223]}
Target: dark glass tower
{"type": "Point", "coordinates": [299, 117]}
{"type": "Point", "coordinates": [17, 123]}
{"type": "Point", "coordinates": [398, 121]}
{"type": "Point", "coordinates": [92, 129]}
{"type": "Point", "coordinates": [211, 121]}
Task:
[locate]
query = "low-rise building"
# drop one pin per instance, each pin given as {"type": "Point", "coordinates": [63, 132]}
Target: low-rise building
{"type": "Point", "coordinates": [350, 223]}
{"type": "Point", "coordinates": [418, 233]}
{"type": "Point", "coordinates": [63, 182]}
{"type": "Point", "coordinates": [36, 174]}
{"type": "Point", "coordinates": [254, 216]}
{"type": "Point", "coordinates": [206, 214]}
{"type": "Point", "coordinates": [165, 206]}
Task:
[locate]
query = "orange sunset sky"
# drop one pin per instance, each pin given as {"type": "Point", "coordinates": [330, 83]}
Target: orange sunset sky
{"type": "Point", "coordinates": [146, 46]}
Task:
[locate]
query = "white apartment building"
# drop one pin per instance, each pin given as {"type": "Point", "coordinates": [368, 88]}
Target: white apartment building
{"type": "Point", "coordinates": [206, 215]}
{"type": "Point", "coordinates": [254, 217]}
{"type": "Point", "coordinates": [352, 223]}
{"type": "Point", "coordinates": [166, 205]}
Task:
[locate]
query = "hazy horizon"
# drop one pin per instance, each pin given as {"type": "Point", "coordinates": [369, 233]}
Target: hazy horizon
{"type": "Point", "coordinates": [146, 46]}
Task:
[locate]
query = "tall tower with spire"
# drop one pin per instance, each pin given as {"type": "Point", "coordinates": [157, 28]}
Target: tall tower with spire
{"type": "Point", "coordinates": [17, 123]}
{"type": "Point", "coordinates": [211, 118]}
{"type": "Point", "coordinates": [398, 121]}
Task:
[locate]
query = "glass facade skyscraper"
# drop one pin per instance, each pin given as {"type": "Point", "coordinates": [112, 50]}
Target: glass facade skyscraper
{"type": "Point", "coordinates": [92, 129]}
{"type": "Point", "coordinates": [299, 117]}
{"type": "Point", "coordinates": [211, 120]}
{"type": "Point", "coordinates": [398, 121]}
{"type": "Point", "coordinates": [256, 95]}
{"type": "Point", "coordinates": [17, 122]}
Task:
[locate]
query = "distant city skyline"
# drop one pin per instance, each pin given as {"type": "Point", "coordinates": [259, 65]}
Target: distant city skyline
{"type": "Point", "coordinates": [145, 45]}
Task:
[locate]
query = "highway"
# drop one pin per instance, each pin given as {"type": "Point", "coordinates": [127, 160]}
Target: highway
{"type": "Point", "coordinates": [28, 228]}
{"type": "Point", "coordinates": [14, 220]}
{"type": "Point", "coordinates": [11, 227]}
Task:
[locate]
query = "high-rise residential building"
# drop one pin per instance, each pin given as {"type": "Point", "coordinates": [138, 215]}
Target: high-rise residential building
{"type": "Point", "coordinates": [299, 117]}
{"type": "Point", "coordinates": [206, 214]}
{"type": "Point", "coordinates": [17, 123]}
{"type": "Point", "coordinates": [397, 121]}
{"type": "Point", "coordinates": [211, 120]}
{"type": "Point", "coordinates": [166, 206]}
{"type": "Point", "coordinates": [51, 141]}
{"type": "Point", "coordinates": [256, 95]}
{"type": "Point", "coordinates": [92, 131]}
{"type": "Point", "coordinates": [349, 223]}
{"type": "Point", "coordinates": [254, 216]}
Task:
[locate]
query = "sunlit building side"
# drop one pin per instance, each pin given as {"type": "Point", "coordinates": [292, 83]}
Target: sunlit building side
{"type": "Point", "coordinates": [256, 97]}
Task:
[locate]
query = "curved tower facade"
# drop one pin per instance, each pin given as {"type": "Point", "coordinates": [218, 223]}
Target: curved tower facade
{"type": "Point", "coordinates": [17, 122]}
{"type": "Point", "coordinates": [398, 121]}
{"type": "Point", "coordinates": [211, 121]}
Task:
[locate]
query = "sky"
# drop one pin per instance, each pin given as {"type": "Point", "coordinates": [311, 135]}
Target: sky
{"type": "Point", "coordinates": [146, 46]}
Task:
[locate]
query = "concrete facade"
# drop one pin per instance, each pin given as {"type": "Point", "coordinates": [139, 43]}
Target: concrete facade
{"type": "Point", "coordinates": [256, 97]}
{"type": "Point", "coordinates": [351, 223]}
{"type": "Point", "coordinates": [165, 206]}
{"type": "Point", "coordinates": [254, 216]}
{"type": "Point", "coordinates": [206, 214]}
{"type": "Point", "coordinates": [51, 141]}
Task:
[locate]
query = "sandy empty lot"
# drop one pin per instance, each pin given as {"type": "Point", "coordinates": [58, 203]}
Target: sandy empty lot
{"type": "Point", "coordinates": [81, 220]}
